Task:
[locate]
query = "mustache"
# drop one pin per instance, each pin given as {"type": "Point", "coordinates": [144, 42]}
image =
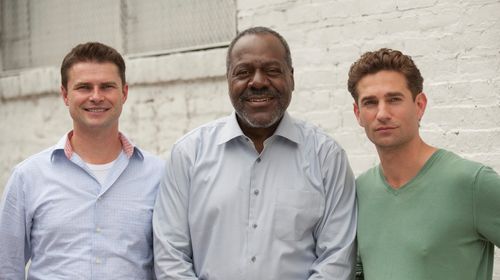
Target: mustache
{"type": "Point", "coordinates": [250, 92]}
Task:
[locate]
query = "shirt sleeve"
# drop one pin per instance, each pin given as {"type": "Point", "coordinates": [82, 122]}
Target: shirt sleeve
{"type": "Point", "coordinates": [487, 204]}
{"type": "Point", "coordinates": [171, 238]}
{"type": "Point", "coordinates": [14, 230]}
{"type": "Point", "coordinates": [336, 232]}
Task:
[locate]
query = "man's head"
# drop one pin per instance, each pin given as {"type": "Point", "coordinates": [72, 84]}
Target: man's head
{"type": "Point", "coordinates": [259, 30]}
{"type": "Point", "coordinates": [385, 59]}
{"type": "Point", "coordinates": [388, 99]}
{"type": "Point", "coordinates": [93, 87]}
{"type": "Point", "coordinates": [260, 77]}
{"type": "Point", "coordinates": [92, 52]}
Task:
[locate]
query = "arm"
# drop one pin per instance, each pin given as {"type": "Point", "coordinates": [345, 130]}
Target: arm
{"type": "Point", "coordinates": [171, 239]}
{"type": "Point", "coordinates": [487, 204]}
{"type": "Point", "coordinates": [359, 275]}
{"type": "Point", "coordinates": [14, 231]}
{"type": "Point", "coordinates": [336, 233]}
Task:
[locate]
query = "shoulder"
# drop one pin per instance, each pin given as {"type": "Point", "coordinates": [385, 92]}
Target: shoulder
{"type": "Point", "coordinates": [202, 133]}
{"type": "Point", "coordinates": [38, 160]}
{"type": "Point", "coordinates": [203, 139]}
{"type": "Point", "coordinates": [32, 169]}
{"type": "Point", "coordinates": [314, 136]}
{"type": "Point", "coordinates": [449, 162]}
{"type": "Point", "coordinates": [367, 178]}
{"type": "Point", "coordinates": [150, 157]}
{"type": "Point", "coordinates": [468, 175]}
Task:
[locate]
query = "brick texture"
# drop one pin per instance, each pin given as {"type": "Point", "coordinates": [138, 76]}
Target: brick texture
{"type": "Point", "coordinates": [456, 44]}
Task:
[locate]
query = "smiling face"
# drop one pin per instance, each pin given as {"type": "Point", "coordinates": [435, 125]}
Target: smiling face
{"type": "Point", "coordinates": [386, 110]}
{"type": "Point", "coordinates": [95, 96]}
{"type": "Point", "coordinates": [260, 81]}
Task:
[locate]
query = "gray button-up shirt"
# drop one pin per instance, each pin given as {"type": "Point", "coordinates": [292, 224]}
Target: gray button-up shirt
{"type": "Point", "coordinates": [226, 212]}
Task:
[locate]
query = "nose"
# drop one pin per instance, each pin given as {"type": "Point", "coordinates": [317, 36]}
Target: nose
{"type": "Point", "coordinates": [383, 113]}
{"type": "Point", "coordinates": [96, 96]}
{"type": "Point", "coordinates": [259, 80]}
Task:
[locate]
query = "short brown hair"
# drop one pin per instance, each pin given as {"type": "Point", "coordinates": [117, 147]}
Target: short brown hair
{"type": "Point", "coordinates": [385, 59]}
{"type": "Point", "coordinates": [92, 52]}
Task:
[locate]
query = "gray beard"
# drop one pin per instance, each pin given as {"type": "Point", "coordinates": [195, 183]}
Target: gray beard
{"type": "Point", "coordinates": [244, 117]}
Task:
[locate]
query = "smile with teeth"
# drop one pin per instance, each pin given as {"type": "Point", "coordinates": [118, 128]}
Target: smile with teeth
{"type": "Point", "coordinates": [96, 110]}
{"type": "Point", "coordinates": [260, 99]}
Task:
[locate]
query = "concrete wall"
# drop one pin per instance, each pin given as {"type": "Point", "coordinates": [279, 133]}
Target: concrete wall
{"type": "Point", "coordinates": [456, 44]}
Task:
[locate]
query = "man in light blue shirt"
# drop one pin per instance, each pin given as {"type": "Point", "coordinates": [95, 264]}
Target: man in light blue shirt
{"type": "Point", "coordinates": [82, 209]}
{"type": "Point", "coordinates": [257, 194]}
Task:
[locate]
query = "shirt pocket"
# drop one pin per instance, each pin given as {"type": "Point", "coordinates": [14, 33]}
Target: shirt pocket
{"type": "Point", "coordinates": [296, 213]}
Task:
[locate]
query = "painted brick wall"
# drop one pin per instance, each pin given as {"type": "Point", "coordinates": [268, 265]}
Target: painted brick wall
{"type": "Point", "coordinates": [456, 44]}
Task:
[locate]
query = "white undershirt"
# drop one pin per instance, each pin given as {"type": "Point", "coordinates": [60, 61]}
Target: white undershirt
{"type": "Point", "coordinates": [101, 171]}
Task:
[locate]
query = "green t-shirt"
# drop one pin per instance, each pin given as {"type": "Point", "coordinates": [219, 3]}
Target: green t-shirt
{"type": "Point", "coordinates": [442, 224]}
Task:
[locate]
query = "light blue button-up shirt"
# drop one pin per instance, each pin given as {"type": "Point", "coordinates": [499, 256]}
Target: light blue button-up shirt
{"type": "Point", "coordinates": [55, 212]}
{"type": "Point", "coordinates": [226, 212]}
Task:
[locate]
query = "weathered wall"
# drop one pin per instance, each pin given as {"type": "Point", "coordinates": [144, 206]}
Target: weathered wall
{"type": "Point", "coordinates": [456, 44]}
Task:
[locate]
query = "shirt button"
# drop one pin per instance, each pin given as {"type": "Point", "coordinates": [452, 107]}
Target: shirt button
{"type": "Point", "coordinates": [97, 229]}
{"type": "Point", "coordinates": [254, 225]}
{"type": "Point", "coordinates": [253, 259]}
{"type": "Point", "coordinates": [256, 192]}
{"type": "Point", "coordinates": [258, 159]}
{"type": "Point", "coordinates": [97, 260]}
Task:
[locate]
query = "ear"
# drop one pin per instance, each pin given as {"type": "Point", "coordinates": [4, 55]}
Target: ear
{"type": "Point", "coordinates": [125, 93]}
{"type": "Point", "coordinates": [356, 112]}
{"type": "Point", "coordinates": [421, 103]}
{"type": "Point", "coordinates": [64, 95]}
{"type": "Point", "coordinates": [293, 80]}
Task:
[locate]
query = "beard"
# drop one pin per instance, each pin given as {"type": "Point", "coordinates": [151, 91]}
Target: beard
{"type": "Point", "coordinates": [248, 117]}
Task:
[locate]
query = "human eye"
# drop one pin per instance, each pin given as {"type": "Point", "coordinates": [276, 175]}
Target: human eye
{"type": "Point", "coordinates": [274, 71]}
{"type": "Point", "coordinates": [394, 99]}
{"type": "Point", "coordinates": [241, 72]}
{"type": "Point", "coordinates": [82, 87]}
{"type": "Point", "coordinates": [369, 102]}
{"type": "Point", "coordinates": [108, 86]}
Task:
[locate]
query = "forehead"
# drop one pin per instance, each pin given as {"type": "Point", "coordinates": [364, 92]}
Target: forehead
{"type": "Point", "coordinates": [93, 70]}
{"type": "Point", "coordinates": [258, 48]}
{"type": "Point", "coordinates": [381, 83]}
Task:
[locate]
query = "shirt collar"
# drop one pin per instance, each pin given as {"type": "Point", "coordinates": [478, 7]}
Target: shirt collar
{"type": "Point", "coordinates": [230, 130]}
{"type": "Point", "coordinates": [65, 144]}
{"type": "Point", "coordinates": [285, 129]}
{"type": "Point", "coordinates": [288, 129]}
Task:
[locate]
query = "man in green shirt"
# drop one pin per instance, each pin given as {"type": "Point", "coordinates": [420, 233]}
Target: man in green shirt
{"type": "Point", "coordinates": [424, 213]}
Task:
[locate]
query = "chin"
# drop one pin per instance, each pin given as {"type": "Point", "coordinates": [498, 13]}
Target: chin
{"type": "Point", "coordinates": [256, 122]}
{"type": "Point", "coordinates": [259, 123]}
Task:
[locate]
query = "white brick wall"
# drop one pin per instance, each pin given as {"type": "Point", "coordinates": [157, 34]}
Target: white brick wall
{"type": "Point", "coordinates": [456, 44]}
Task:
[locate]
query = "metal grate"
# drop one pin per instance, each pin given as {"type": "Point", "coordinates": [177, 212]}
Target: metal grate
{"type": "Point", "coordinates": [156, 26]}
{"type": "Point", "coordinates": [40, 33]}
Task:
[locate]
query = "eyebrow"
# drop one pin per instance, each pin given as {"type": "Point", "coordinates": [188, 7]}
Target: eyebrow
{"type": "Point", "coordinates": [394, 93]}
{"type": "Point", "coordinates": [388, 94]}
{"type": "Point", "coordinates": [367, 98]}
{"type": "Point", "coordinates": [88, 83]}
{"type": "Point", "coordinates": [262, 64]}
{"type": "Point", "coordinates": [111, 83]}
{"type": "Point", "coordinates": [81, 84]}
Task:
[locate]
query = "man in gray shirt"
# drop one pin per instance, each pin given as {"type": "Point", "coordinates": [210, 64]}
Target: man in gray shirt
{"type": "Point", "coordinates": [257, 194]}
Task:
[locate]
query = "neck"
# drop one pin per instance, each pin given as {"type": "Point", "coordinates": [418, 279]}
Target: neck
{"type": "Point", "coordinates": [96, 147]}
{"type": "Point", "coordinates": [401, 164]}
